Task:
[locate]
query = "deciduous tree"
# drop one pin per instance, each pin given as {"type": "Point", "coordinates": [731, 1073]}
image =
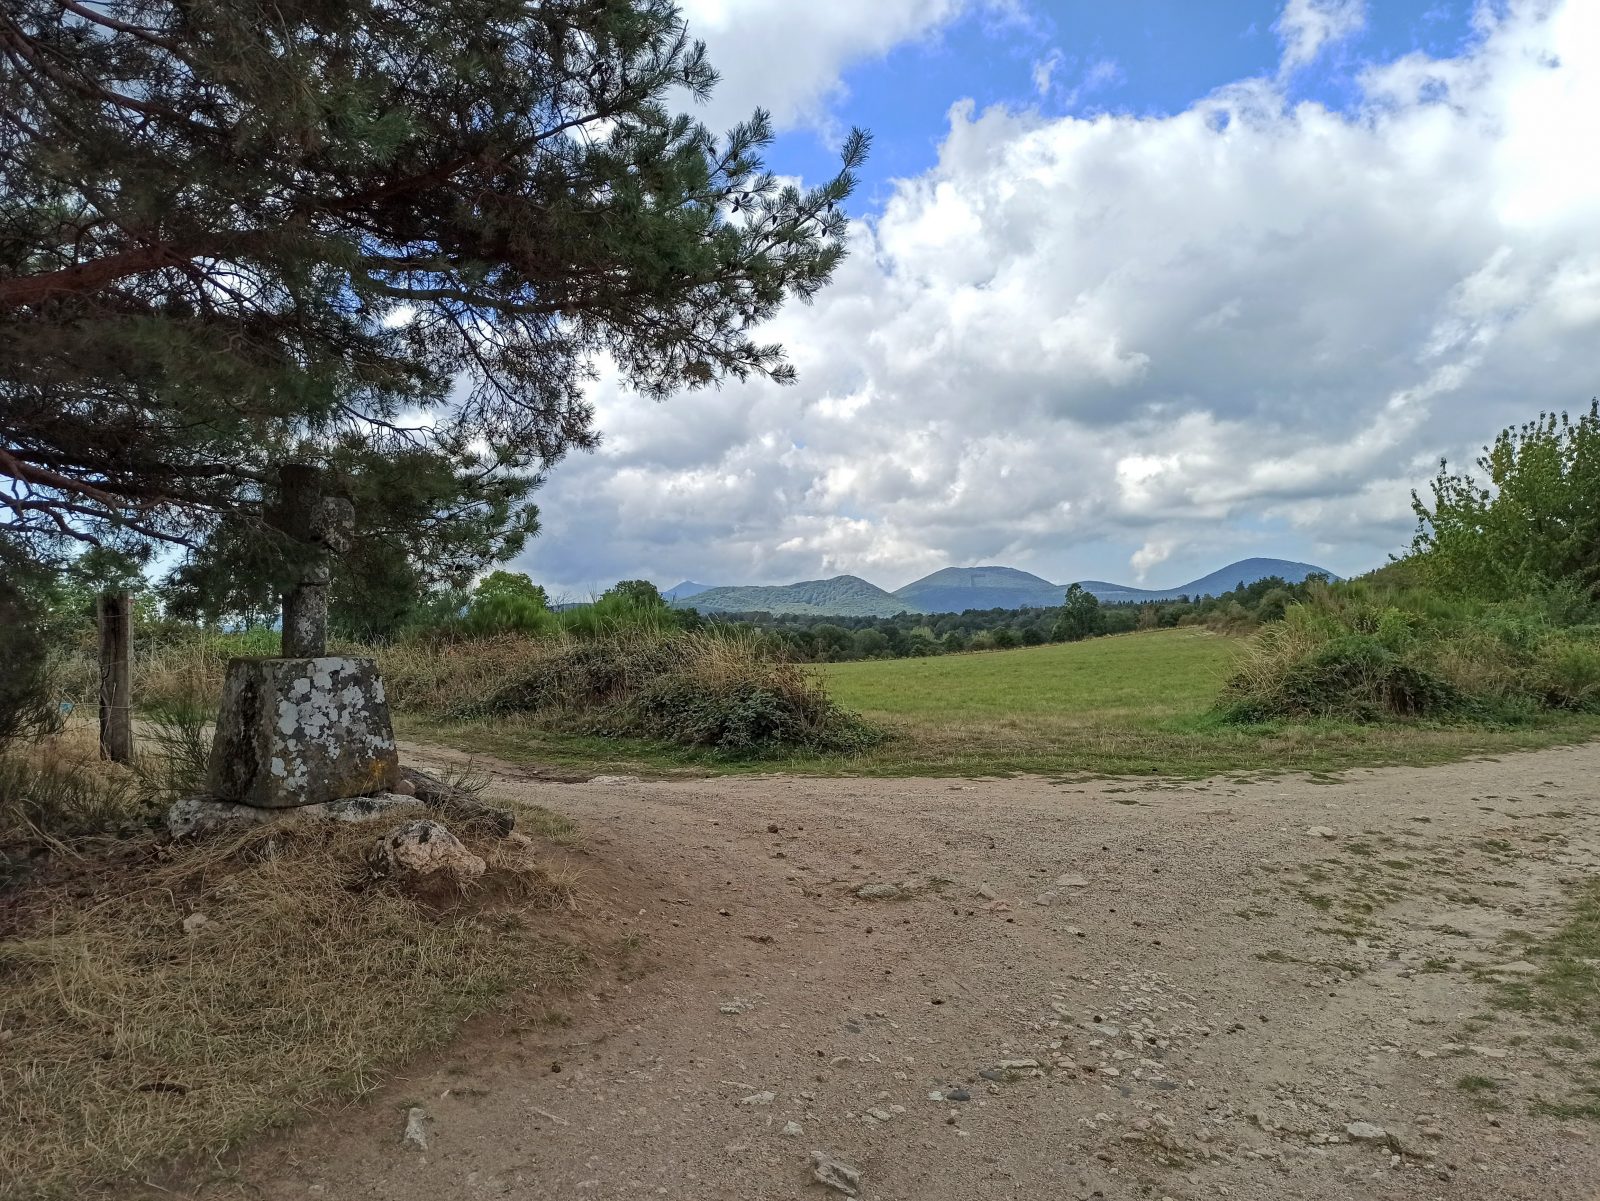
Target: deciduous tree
{"type": "Point", "coordinates": [1532, 521]}
{"type": "Point", "coordinates": [1080, 615]}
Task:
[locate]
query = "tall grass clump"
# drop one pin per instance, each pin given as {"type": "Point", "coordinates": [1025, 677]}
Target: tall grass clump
{"type": "Point", "coordinates": [1366, 651]}
{"type": "Point", "coordinates": [707, 690]}
{"type": "Point", "coordinates": [58, 791]}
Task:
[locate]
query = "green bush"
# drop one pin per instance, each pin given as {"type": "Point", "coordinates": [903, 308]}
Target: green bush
{"type": "Point", "coordinates": [29, 706]}
{"type": "Point", "coordinates": [1365, 652]}
{"type": "Point", "coordinates": [1355, 677]}
{"type": "Point", "coordinates": [1568, 673]}
{"type": "Point", "coordinates": [726, 693]}
{"type": "Point", "coordinates": [737, 716]}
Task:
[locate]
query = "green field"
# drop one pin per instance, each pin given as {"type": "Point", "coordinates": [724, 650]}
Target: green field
{"type": "Point", "coordinates": [1134, 679]}
{"type": "Point", "coordinates": [1130, 705]}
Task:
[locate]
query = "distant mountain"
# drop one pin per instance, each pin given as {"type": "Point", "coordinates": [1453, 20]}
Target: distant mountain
{"type": "Point", "coordinates": [686, 589]}
{"type": "Point", "coordinates": [842, 596]}
{"type": "Point", "coordinates": [1224, 579]}
{"type": "Point", "coordinates": [957, 588]}
{"type": "Point", "coordinates": [1248, 571]}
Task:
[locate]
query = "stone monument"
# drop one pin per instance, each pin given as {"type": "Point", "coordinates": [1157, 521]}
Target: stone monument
{"type": "Point", "coordinates": [309, 727]}
{"type": "Point", "coordinates": [302, 731]}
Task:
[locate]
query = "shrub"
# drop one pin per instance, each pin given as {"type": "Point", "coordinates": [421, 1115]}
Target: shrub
{"type": "Point", "coordinates": [719, 692]}
{"type": "Point", "coordinates": [29, 707]}
{"type": "Point", "coordinates": [739, 716]}
{"type": "Point", "coordinates": [1364, 652]}
{"type": "Point", "coordinates": [1354, 677]}
{"type": "Point", "coordinates": [1568, 674]}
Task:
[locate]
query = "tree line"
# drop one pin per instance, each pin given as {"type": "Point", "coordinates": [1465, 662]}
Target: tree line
{"type": "Point", "coordinates": [814, 639]}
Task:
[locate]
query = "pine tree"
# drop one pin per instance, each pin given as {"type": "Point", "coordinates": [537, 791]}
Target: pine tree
{"type": "Point", "coordinates": [385, 237]}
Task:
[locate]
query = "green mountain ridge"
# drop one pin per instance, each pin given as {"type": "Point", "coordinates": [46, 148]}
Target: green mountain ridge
{"type": "Point", "coordinates": [954, 589]}
{"type": "Point", "coordinates": [842, 596]}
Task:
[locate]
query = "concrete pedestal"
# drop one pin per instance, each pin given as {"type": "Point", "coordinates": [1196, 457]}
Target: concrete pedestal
{"type": "Point", "coordinates": [295, 732]}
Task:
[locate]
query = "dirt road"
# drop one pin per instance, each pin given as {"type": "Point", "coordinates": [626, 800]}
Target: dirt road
{"type": "Point", "coordinates": [1083, 990]}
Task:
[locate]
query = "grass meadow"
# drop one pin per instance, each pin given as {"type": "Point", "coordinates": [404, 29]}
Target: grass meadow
{"type": "Point", "coordinates": [1130, 705]}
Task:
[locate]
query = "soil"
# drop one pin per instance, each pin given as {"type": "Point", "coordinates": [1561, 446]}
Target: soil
{"type": "Point", "coordinates": [1215, 981]}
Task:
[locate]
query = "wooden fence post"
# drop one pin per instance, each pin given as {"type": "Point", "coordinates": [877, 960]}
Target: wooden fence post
{"type": "Point", "coordinates": [115, 611]}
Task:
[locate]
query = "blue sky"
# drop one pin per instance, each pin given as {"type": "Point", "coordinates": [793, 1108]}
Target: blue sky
{"type": "Point", "coordinates": [1138, 56]}
{"type": "Point", "coordinates": [1135, 289]}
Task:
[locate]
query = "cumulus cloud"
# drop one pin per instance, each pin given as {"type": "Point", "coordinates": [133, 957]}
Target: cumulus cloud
{"type": "Point", "coordinates": [787, 57]}
{"type": "Point", "coordinates": [1307, 26]}
{"type": "Point", "coordinates": [1148, 342]}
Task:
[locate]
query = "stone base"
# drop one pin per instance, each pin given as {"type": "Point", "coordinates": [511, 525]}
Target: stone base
{"type": "Point", "coordinates": [202, 816]}
{"type": "Point", "coordinates": [295, 732]}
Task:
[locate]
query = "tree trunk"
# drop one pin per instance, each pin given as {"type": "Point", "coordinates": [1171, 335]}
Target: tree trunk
{"type": "Point", "coordinates": [115, 611]}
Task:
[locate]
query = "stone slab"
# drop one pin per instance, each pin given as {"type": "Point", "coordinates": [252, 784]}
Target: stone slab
{"type": "Point", "coordinates": [294, 732]}
{"type": "Point", "coordinates": [203, 817]}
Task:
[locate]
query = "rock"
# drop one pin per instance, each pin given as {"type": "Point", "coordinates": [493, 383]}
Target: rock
{"type": "Point", "coordinates": [1520, 967]}
{"type": "Point", "coordinates": [205, 817]}
{"type": "Point", "coordinates": [416, 1135]}
{"type": "Point", "coordinates": [296, 732]}
{"type": "Point", "coordinates": [835, 1174]}
{"type": "Point", "coordinates": [879, 1115]}
{"type": "Point", "coordinates": [613, 779]}
{"type": "Point", "coordinates": [521, 844]}
{"type": "Point", "coordinates": [792, 1130]}
{"type": "Point", "coordinates": [1072, 880]}
{"type": "Point", "coordinates": [877, 892]}
{"type": "Point", "coordinates": [1045, 898]}
{"type": "Point", "coordinates": [737, 1005]}
{"type": "Point", "coordinates": [1008, 1070]}
{"type": "Point", "coordinates": [1320, 832]}
{"type": "Point", "coordinates": [761, 1098]}
{"type": "Point", "coordinates": [195, 923]}
{"type": "Point", "coordinates": [424, 850]}
{"type": "Point", "coordinates": [958, 1094]}
{"type": "Point", "coordinates": [361, 808]}
{"type": "Point", "coordinates": [1489, 1052]}
{"type": "Point", "coordinates": [987, 893]}
{"type": "Point", "coordinates": [403, 786]}
{"type": "Point", "coordinates": [1366, 1132]}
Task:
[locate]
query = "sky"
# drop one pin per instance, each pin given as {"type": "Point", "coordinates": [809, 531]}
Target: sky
{"type": "Point", "coordinates": [1134, 290]}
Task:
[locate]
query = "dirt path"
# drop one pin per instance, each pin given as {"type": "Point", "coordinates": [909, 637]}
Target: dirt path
{"type": "Point", "coordinates": [1212, 994]}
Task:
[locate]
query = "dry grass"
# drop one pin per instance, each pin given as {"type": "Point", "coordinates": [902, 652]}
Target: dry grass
{"type": "Point", "coordinates": [58, 790]}
{"type": "Point", "coordinates": [126, 1042]}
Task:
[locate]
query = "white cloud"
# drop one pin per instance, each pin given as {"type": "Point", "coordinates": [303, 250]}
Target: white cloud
{"type": "Point", "coordinates": [787, 56]}
{"type": "Point", "coordinates": [1044, 71]}
{"type": "Point", "coordinates": [1306, 27]}
{"type": "Point", "coordinates": [1091, 347]}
